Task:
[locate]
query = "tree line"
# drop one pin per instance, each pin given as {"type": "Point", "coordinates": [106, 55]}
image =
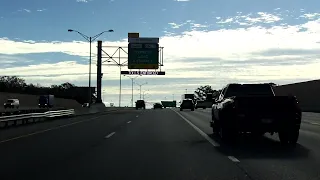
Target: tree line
{"type": "Point", "coordinates": [14, 84]}
{"type": "Point", "coordinates": [202, 91]}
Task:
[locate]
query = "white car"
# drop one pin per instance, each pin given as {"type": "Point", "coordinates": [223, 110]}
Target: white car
{"type": "Point", "coordinates": [12, 103]}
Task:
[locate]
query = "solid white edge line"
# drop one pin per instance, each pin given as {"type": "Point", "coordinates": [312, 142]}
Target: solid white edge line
{"type": "Point", "coordinates": [211, 141]}
{"type": "Point", "coordinates": [129, 122]}
{"type": "Point", "coordinates": [109, 135]}
{"type": "Point", "coordinates": [233, 159]}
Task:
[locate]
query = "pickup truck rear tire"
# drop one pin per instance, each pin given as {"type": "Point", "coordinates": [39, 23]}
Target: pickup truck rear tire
{"type": "Point", "coordinates": [289, 137]}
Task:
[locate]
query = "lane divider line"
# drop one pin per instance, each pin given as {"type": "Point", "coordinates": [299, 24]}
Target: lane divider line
{"type": "Point", "coordinates": [46, 130]}
{"type": "Point", "coordinates": [109, 135]}
{"type": "Point", "coordinates": [129, 122]}
{"type": "Point", "coordinates": [233, 159]}
{"type": "Point", "coordinates": [211, 141]}
{"type": "Point", "coordinates": [137, 116]}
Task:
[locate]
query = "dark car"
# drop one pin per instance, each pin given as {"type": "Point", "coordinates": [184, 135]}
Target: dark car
{"type": "Point", "coordinates": [200, 104]}
{"type": "Point", "coordinates": [140, 104]}
{"type": "Point", "coordinates": [187, 104]}
{"type": "Point", "coordinates": [157, 106]}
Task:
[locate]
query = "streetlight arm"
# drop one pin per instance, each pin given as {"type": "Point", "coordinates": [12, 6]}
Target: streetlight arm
{"type": "Point", "coordinates": [83, 35]}
{"type": "Point", "coordinates": [96, 36]}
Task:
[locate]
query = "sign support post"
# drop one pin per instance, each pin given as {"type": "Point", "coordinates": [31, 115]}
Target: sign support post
{"type": "Point", "coordinates": [99, 73]}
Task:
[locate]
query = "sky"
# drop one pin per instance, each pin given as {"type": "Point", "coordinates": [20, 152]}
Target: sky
{"type": "Point", "coordinates": [206, 42]}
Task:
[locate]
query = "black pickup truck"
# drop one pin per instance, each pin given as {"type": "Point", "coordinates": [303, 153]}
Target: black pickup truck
{"type": "Point", "coordinates": [254, 108]}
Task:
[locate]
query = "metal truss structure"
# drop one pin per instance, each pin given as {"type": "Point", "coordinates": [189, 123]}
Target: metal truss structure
{"type": "Point", "coordinates": [119, 58]}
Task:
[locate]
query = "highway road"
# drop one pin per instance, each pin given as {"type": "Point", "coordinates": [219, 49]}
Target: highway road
{"type": "Point", "coordinates": [151, 144]}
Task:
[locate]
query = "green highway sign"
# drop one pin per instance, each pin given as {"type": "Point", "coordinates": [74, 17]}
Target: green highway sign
{"type": "Point", "coordinates": [143, 53]}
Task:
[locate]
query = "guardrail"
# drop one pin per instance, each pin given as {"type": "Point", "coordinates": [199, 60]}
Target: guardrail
{"type": "Point", "coordinates": [10, 112]}
{"type": "Point", "coordinates": [26, 118]}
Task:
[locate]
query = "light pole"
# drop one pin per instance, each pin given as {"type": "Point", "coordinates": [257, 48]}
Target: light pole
{"type": "Point", "coordinates": [140, 87]}
{"type": "Point", "coordinates": [144, 93]}
{"type": "Point", "coordinates": [132, 79]}
{"type": "Point", "coordinates": [103, 94]}
{"type": "Point", "coordinates": [186, 91]}
{"type": "Point", "coordinates": [120, 65]}
{"type": "Point", "coordinates": [90, 39]}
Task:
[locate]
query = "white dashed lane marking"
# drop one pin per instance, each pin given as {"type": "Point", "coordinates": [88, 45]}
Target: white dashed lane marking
{"type": "Point", "coordinates": [129, 122]}
{"type": "Point", "coordinates": [109, 135]}
{"type": "Point", "coordinates": [233, 159]}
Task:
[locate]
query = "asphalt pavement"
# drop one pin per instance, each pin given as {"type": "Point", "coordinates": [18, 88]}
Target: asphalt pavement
{"type": "Point", "coordinates": [150, 144]}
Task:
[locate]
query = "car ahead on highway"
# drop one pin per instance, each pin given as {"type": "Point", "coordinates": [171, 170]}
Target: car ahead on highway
{"type": "Point", "coordinates": [254, 108]}
{"type": "Point", "coordinates": [11, 103]}
{"type": "Point", "coordinates": [157, 106]}
{"type": "Point", "coordinates": [200, 104]}
{"type": "Point", "coordinates": [140, 104]}
{"type": "Point", "coordinates": [187, 104]}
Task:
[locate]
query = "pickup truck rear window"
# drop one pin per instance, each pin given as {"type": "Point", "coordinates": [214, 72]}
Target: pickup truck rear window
{"type": "Point", "coordinates": [249, 90]}
{"type": "Point", "coordinates": [187, 102]}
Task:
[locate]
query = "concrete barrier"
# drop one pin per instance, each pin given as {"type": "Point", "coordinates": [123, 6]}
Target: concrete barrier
{"type": "Point", "coordinates": [98, 108]}
{"type": "Point", "coordinates": [307, 94]}
{"type": "Point", "coordinates": [313, 118]}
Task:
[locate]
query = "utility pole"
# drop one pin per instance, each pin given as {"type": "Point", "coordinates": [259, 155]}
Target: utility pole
{"type": "Point", "coordinates": [186, 91]}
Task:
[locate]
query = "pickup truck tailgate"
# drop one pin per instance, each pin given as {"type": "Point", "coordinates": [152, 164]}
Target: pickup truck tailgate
{"type": "Point", "coordinates": [276, 104]}
{"type": "Point", "coordinates": [266, 111]}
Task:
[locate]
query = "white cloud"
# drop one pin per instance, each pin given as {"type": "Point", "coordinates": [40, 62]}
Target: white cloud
{"type": "Point", "coordinates": [262, 17]}
{"type": "Point", "coordinates": [40, 10]}
{"type": "Point", "coordinates": [311, 16]}
{"type": "Point", "coordinates": [82, 1]}
{"type": "Point", "coordinates": [175, 26]}
{"type": "Point", "coordinates": [25, 10]}
{"type": "Point", "coordinates": [281, 54]}
{"type": "Point", "coordinates": [225, 21]}
{"type": "Point", "coordinates": [182, 0]}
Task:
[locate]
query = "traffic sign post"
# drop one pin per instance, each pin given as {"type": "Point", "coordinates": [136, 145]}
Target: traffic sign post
{"type": "Point", "coordinates": [143, 53]}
